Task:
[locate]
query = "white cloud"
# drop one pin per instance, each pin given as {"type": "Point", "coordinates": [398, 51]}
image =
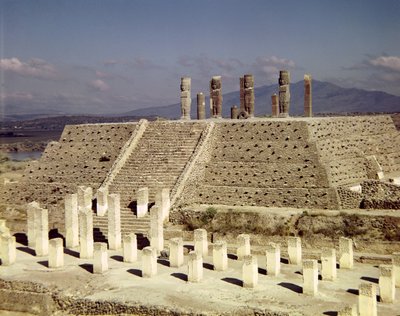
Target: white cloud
{"type": "Point", "coordinates": [99, 85]}
{"type": "Point", "coordinates": [37, 68]}
{"type": "Point", "coordinates": [388, 62]}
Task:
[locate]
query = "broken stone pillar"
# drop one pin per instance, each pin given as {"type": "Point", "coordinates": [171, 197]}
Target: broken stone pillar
{"type": "Point", "coordinates": [31, 209]}
{"type": "Point", "coordinates": [86, 233]}
{"type": "Point", "coordinates": [175, 252]}
{"type": "Point", "coordinates": [100, 258]}
{"type": "Point", "coordinates": [348, 311]}
{"type": "Point", "coordinates": [328, 264]}
{"type": "Point", "coordinates": [216, 97]}
{"type": "Point", "coordinates": [294, 250]}
{"type": "Point", "coordinates": [234, 112]}
{"type": "Point", "coordinates": [71, 221]}
{"type": "Point", "coordinates": [275, 105]}
{"type": "Point", "coordinates": [4, 230]}
{"type": "Point", "coordinates": [41, 232]}
{"type": "Point", "coordinates": [156, 228]}
{"type": "Point", "coordinates": [346, 253]}
{"type": "Point", "coordinates": [248, 94]}
{"type": "Point", "coordinates": [386, 283]}
{"type": "Point", "coordinates": [85, 196]}
{"type": "Point", "coordinates": [114, 222]}
{"type": "Point", "coordinates": [284, 93]}
{"type": "Point", "coordinates": [374, 169]}
{"type": "Point", "coordinates": [195, 267]}
{"type": "Point", "coordinates": [243, 241]}
{"type": "Point", "coordinates": [149, 262]}
{"type": "Point", "coordinates": [56, 253]}
{"type": "Point", "coordinates": [241, 85]}
{"type": "Point", "coordinates": [307, 96]}
{"type": "Point", "coordinates": [130, 247]}
{"type": "Point", "coordinates": [102, 201]}
{"type": "Point", "coordinates": [8, 251]}
{"type": "Point", "coordinates": [201, 242]}
{"type": "Point", "coordinates": [201, 106]}
{"type": "Point", "coordinates": [142, 202]}
{"type": "Point", "coordinates": [220, 256]}
{"type": "Point", "coordinates": [185, 98]}
{"type": "Point", "coordinates": [310, 277]}
{"type": "Point", "coordinates": [163, 202]}
{"type": "Point", "coordinates": [273, 254]}
{"type": "Point", "coordinates": [396, 267]}
{"type": "Point", "coordinates": [250, 271]}
{"type": "Point", "coordinates": [367, 304]}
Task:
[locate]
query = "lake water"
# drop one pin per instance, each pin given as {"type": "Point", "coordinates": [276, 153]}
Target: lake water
{"type": "Point", "coordinates": [21, 156]}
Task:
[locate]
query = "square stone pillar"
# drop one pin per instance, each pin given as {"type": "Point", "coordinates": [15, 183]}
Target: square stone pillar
{"type": "Point", "coordinates": [273, 254]}
{"type": "Point", "coordinates": [310, 277]}
{"type": "Point", "coordinates": [71, 221]}
{"type": "Point", "coordinates": [201, 242]}
{"type": "Point", "coordinates": [142, 203]}
{"type": "Point", "coordinates": [56, 253]}
{"type": "Point", "coordinates": [100, 260]}
{"type": "Point", "coordinates": [396, 268]}
{"type": "Point", "coordinates": [348, 311]}
{"type": "Point", "coordinates": [85, 196]}
{"type": "Point", "coordinates": [149, 262]}
{"type": "Point", "coordinates": [243, 242]}
{"type": "Point", "coordinates": [86, 234]}
{"type": "Point", "coordinates": [294, 250]}
{"type": "Point", "coordinates": [102, 201]}
{"type": "Point", "coordinates": [4, 230]}
{"type": "Point", "coordinates": [328, 264]}
{"type": "Point", "coordinates": [220, 256]}
{"type": "Point", "coordinates": [41, 232]}
{"type": "Point", "coordinates": [175, 252]}
{"type": "Point", "coordinates": [250, 271]}
{"type": "Point", "coordinates": [386, 283]}
{"type": "Point", "coordinates": [130, 247]}
{"type": "Point", "coordinates": [163, 201]}
{"type": "Point", "coordinates": [346, 253]}
{"type": "Point", "coordinates": [367, 304]}
{"type": "Point", "coordinates": [31, 209]}
{"type": "Point", "coordinates": [156, 229]}
{"type": "Point", "coordinates": [114, 222]}
{"type": "Point", "coordinates": [195, 266]}
{"type": "Point", "coordinates": [8, 251]}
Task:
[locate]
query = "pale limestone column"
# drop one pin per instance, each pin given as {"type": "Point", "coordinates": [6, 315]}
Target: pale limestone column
{"type": "Point", "coordinates": [387, 287]}
{"type": "Point", "coordinates": [149, 262]}
{"type": "Point", "coordinates": [102, 201]}
{"type": "Point", "coordinates": [100, 258]}
{"type": "Point", "coordinates": [163, 202]}
{"type": "Point", "coordinates": [250, 271]}
{"type": "Point", "coordinates": [4, 230]}
{"type": "Point", "coordinates": [142, 196]}
{"type": "Point", "coordinates": [273, 254]}
{"type": "Point", "coordinates": [130, 247]}
{"type": "Point", "coordinates": [367, 304]}
{"type": "Point", "coordinates": [328, 264]}
{"type": "Point", "coordinates": [346, 253]}
{"type": "Point", "coordinates": [220, 256]}
{"type": "Point", "coordinates": [175, 252]}
{"type": "Point", "coordinates": [243, 242]}
{"type": "Point", "coordinates": [71, 221]}
{"type": "Point", "coordinates": [86, 234]}
{"type": "Point", "coordinates": [310, 277]}
{"type": "Point", "coordinates": [201, 242]}
{"type": "Point", "coordinates": [195, 267]}
{"type": "Point", "coordinates": [56, 253]}
{"type": "Point", "coordinates": [41, 232]}
{"type": "Point", "coordinates": [294, 250]}
{"type": "Point", "coordinates": [85, 196]}
{"type": "Point", "coordinates": [348, 311]}
{"type": "Point", "coordinates": [396, 267]}
{"type": "Point", "coordinates": [32, 207]}
{"type": "Point", "coordinates": [156, 229]}
{"type": "Point", "coordinates": [7, 250]}
{"type": "Point", "coordinates": [114, 221]}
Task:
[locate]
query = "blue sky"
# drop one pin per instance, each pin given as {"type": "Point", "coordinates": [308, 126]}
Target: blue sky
{"type": "Point", "coordinates": [108, 56]}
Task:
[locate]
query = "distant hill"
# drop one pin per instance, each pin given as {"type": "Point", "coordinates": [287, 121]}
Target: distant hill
{"type": "Point", "coordinates": [327, 98]}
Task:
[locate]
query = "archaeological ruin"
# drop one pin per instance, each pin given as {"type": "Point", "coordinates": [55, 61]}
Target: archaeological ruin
{"type": "Point", "coordinates": [132, 201]}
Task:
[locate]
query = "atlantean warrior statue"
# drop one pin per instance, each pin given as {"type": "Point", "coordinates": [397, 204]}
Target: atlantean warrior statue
{"type": "Point", "coordinates": [307, 96]}
{"type": "Point", "coordinates": [247, 95]}
{"type": "Point", "coordinates": [185, 98]}
{"type": "Point", "coordinates": [216, 97]}
{"type": "Point", "coordinates": [284, 93]}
